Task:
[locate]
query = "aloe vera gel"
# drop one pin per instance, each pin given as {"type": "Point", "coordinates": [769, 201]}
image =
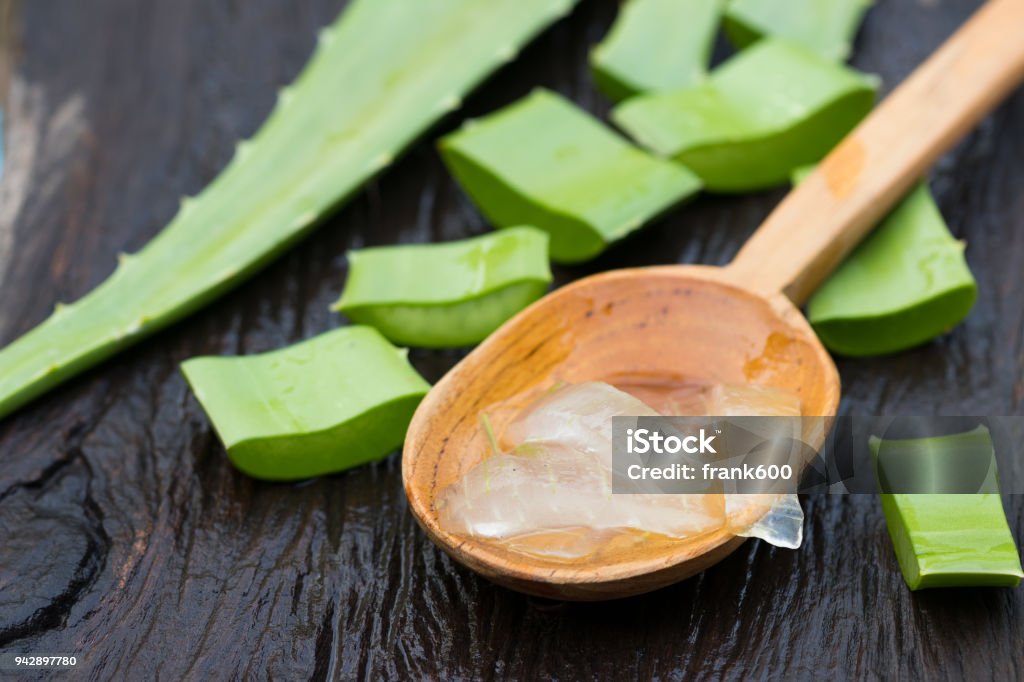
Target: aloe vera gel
{"type": "Point", "coordinates": [546, 489]}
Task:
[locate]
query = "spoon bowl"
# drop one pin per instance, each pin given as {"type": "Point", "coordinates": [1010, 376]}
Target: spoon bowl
{"type": "Point", "coordinates": [737, 324]}
{"type": "Point", "coordinates": [676, 321]}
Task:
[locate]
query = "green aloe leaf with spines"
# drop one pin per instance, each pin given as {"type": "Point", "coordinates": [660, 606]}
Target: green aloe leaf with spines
{"type": "Point", "coordinates": [381, 75]}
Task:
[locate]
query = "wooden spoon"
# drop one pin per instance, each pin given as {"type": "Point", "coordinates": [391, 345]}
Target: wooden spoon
{"type": "Point", "coordinates": [734, 324]}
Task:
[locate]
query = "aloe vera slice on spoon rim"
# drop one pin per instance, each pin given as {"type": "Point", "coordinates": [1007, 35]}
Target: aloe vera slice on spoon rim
{"type": "Point", "coordinates": [381, 75]}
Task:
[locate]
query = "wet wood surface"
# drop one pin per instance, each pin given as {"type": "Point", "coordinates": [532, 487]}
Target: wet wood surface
{"type": "Point", "coordinates": [126, 538]}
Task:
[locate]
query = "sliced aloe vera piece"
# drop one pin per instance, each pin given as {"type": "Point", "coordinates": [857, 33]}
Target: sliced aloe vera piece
{"type": "Point", "coordinates": [446, 295]}
{"type": "Point", "coordinates": [656, 45]}
{"type": "Point", "coordinates": [333, 402]}
{"type": "Point", "coordinates": [907, 283]}
{"type": "Point", "coordinates": [767, 111]}
{"type": "Point", "coordinates": [947, 539]}
{"type": "Point", "coordinates": [826, 26]}
{"type": "Point", "coordinates": [382, 74]}
{"type": "Point", "coordinates": [542, 161]}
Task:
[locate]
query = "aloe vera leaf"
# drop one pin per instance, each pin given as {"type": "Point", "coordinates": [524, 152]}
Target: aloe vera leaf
{"type": "Point", "coordinates": [542, 161]}
{"type": "Point", "coordinates": [907, 283]}
{"type": "Point", "coordinates": [768, 110]}
{"type": "Point", "coordinates": [382, 74]}
{"type": "Point", "coordinates": [948, 539]}
{"type": "Point", "coordinates": [327, 404]}
{"type": "Point", "coordinates": [826, 26]}
{"type": "Point", "coordinates": [656, 45]}
{"type": "Point", "coordinates": [446, 295]}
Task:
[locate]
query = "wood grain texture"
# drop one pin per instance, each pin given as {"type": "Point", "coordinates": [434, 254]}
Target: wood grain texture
{"type": "Point", "coordinates": [127, 538]}
{"type": "Point", "coordinates": [866, 175]}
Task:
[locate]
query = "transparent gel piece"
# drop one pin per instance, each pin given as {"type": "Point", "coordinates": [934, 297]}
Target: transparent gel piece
{"type": "Point", "coordinates": [776, 519]}
{"type": "Point", "coordinates": [551, 494]}
{"type": "Point", "coordinates": [578, 416]}
{"type": "Point", "coordinates": [782, 525]}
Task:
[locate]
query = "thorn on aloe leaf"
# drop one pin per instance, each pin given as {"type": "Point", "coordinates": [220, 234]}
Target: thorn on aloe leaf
{"type": "Point", "coordinates": [322, 149]}
{"type": "Point", "coordinates": [634, 223]}
{"type": "Point", "coordinates": [382, 161]}
{"type": "Point", "coordinates": [243, 149]}
{"type": "Point", "coordinates": [451, 103]}
{"type": "Point", "coordinates": [134, 327]}
{"type": "Point", "coordinates": [305, 219]}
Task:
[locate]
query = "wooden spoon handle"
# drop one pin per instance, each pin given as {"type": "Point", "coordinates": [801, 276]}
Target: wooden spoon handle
{"type": "Point", "coordinates": [820, 221]}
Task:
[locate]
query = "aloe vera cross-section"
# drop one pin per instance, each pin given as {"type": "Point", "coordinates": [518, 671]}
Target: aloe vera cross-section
{"type": "Point", "coordinates": [450, 294]}
{"type": "Point", "coordinates": [381, 75]}
{"type": "Point", "coordinates": [656, 45]}
{"type": "Point", "coordinates": [545, 162]}
{"type": "Point", "coordinates": [327, 404]}
{"type": "Point", "coordinates": [907, 283]}
{"type": "Point", "coordinates": [770, 109]}
{"type": "Point", "coordinates": [954, 532]}
{"type": "Point", "coordinates": [826, 26]}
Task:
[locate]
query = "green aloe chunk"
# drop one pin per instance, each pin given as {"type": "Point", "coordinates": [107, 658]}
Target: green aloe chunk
{"type": "Point", "coordinates": [382, 74]}
{"type": "Point", "coordinates": [446, 295]}
{"type": "Point", "coordinates": [948, 539]}
{"type": "Point", "coordinates": [826, 26]}
{"type": "Point", "coordinates": [656, 45]}
{"type": "Point", "coordinates": [543, 161]}
{"type": "Point", "coordinates": [907, 283]}
{"type": "Point", "coordinates": [768, 110]}
{"type": "Point", "coordinates": [328, 404]}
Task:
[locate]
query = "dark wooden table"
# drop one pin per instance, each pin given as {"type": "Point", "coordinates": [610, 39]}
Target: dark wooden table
{"type": "Point", "coordinates": [128, 539]}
